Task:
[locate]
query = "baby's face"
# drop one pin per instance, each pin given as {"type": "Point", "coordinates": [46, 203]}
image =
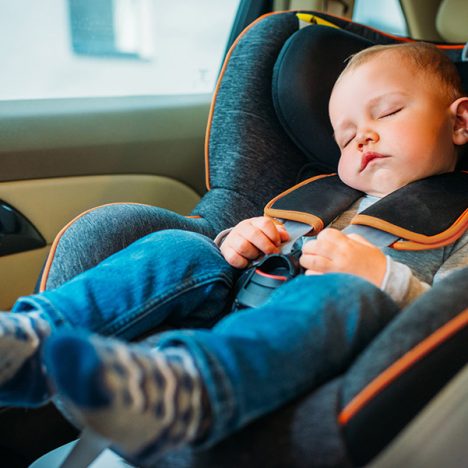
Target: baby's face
{"type": "Point", "coordinates": [392, 126]}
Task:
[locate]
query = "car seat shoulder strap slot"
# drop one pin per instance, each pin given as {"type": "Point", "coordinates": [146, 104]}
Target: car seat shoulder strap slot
{"type": "Point", "coordinates": [316, 202]}
{"type": "Point", "coordinates": [425, 214]}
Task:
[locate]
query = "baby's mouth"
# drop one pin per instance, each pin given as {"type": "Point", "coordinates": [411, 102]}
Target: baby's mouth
{"type": "Point", "coordinates": [368, 157]}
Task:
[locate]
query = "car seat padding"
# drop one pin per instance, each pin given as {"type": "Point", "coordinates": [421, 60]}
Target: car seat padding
{"type": "Point", "coordinates": [426, 214]}
{"type": "Point", "coordinates": [303, 78]}
{"type": "Point", "coordinates": [316, 201]}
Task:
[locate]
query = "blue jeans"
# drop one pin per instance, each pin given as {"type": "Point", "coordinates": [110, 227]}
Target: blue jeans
{"type": "Point", "coordinates": [251, 361]}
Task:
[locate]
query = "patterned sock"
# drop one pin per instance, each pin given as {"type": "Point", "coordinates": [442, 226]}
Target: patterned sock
{"type": "Point", "coordinates": [142, 399]}
{"type": "Point", "coordinates": [22, 379]}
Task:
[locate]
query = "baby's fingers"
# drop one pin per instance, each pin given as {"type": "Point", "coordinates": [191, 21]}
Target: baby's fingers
{"type": "Point", "coordinates": [264, 235]}
{"type": "Point", "coordinates": [316, 263]}
{"type": "Point", "coordinates": [234, 258]}
{"type": "Point", "coordinates": [283, 233]}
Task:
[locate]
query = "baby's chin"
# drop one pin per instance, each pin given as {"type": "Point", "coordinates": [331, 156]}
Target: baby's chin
{"type": "Point", "coordinates": [377, 181]}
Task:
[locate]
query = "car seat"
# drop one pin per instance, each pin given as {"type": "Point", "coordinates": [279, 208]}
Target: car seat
{"type": "Point", "coordinates": [268, 129]}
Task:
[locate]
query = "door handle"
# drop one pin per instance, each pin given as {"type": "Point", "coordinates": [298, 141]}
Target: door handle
{"type": "Point", "coordinates": [17, 233]}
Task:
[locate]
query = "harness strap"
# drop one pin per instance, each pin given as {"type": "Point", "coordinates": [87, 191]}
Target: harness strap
{"type": "Point", "coordinates": [88, 447]}
{"type": "Point", "coordinates": [374, 236]}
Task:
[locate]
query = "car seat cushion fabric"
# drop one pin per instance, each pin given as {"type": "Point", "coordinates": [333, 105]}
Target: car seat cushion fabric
{"type": "Point", "coordinates": [302, 433]}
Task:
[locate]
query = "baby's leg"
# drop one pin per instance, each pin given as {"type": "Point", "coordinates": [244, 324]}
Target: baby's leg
{"type": "Point", "coordinates": [169, 276]}
{"type": "Point", "coordinates": [249, 364]}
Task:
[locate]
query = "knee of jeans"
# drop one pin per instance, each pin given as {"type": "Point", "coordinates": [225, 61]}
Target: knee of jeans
{"type": "Point", "coordinates": [186, 244]}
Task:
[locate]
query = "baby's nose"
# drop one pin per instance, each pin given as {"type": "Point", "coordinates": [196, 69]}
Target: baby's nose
{"type": "Point", "coordinates": [366, 137]}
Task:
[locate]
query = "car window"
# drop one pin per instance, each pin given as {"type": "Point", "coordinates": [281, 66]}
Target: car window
{"type": "Point", "coordinates": [386, 16]}
{"type": "Point", "coordinates": [89, 48]}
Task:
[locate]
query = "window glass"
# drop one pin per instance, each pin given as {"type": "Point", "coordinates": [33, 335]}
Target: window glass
{"type": "Point", "coordinates": [385, 15]}
{"type": "Point", "coordinates": [85, 48]}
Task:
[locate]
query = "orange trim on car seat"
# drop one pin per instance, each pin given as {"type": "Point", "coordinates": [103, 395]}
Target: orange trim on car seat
{"type": "Point", "coordinates": [50, 257]}
{"type": "Point", "coordinates": [413, 240]}
{"type": "Point", "coordinates": [215, 94]}
{"type": "Point", "coordinates": [314, 222]}
{"type": "Point", "coordinates": [300, 216]}
{"type": "Point", "coordinates": [53, 248]}
{"type": "Point", "coordinates": [402, 365]}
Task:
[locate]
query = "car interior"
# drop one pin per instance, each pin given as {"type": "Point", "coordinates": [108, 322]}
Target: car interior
{"type": "Point", "coordinates": [185, 161]}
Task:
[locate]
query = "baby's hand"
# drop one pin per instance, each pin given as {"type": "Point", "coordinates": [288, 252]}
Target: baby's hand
{"type": "Point", "coordinates": [333, 251]}
{"type": "Point", "coordinates": [252, 238]}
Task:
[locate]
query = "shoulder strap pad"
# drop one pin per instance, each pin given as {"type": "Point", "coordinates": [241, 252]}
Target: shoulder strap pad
{"type": "Point", "coordinates": [316, 201]}
{"type": "Point", "coordinates": [425, 214]}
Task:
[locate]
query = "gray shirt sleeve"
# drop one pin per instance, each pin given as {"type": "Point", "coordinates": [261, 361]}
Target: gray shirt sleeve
{"type": "Point", "coordinates": [219, 239]}
{"type": "Point", "coordinates": [404, 287]}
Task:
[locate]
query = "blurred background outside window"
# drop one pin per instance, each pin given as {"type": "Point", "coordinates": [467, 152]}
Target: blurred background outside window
{"type": "Point", "coordinates": [385, 15]}
{"type": "Point", "coordinates": [88, 48]}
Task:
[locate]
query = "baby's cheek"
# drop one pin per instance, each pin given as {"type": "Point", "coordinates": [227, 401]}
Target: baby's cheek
{"type": "Point", "coordinates": [346, 170]}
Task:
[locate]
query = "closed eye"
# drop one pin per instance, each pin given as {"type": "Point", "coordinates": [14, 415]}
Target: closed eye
{"type": "Point", "coordinates": [348, 141]}
{"type": "Point", "coordinates": [390, 113]}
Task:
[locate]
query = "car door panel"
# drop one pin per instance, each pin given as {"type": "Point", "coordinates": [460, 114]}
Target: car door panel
{"type": "Point", "coordinates": [79, 155]}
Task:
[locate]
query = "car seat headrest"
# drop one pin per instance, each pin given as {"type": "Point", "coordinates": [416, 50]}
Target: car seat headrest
{"type": "Point", "coordinates": [303, 77]}
{"type": "Point", "coordinates": [451, 20]}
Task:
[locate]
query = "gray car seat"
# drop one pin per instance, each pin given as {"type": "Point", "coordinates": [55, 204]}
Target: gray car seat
{"type": "Point", "coordinates": [269, 130]}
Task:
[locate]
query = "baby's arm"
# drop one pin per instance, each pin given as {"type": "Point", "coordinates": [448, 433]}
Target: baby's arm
{"type": "Point", "coordinates": [251, 238]}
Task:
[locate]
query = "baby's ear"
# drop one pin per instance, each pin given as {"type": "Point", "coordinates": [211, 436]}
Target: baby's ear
{"type": "Point", "coordinates": [460, 128]}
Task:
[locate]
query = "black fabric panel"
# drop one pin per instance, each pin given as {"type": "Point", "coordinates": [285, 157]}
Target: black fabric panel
{"type": "Point", "coordinates": [324, 198]}
{"type": "Point", "coordinates": [397, 404]}
{"type": "Point", "coordinates": [303, 77]}
{"type": "Point", "coordinates": [428, 206]}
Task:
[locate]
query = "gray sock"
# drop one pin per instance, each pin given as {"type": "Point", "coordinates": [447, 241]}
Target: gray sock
{"type": "Point", "coordinates": [22, 378]}
{"type": "Point", "coordinates": [144, 400]}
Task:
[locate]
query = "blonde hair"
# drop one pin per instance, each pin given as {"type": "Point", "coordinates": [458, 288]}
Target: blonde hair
{"type": "Point", "coordinates": [424, 57]}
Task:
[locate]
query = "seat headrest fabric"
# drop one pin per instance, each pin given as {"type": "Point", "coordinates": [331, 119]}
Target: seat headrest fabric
{"type": "Point", "coordinates": [452, 20]}
{"type": "Point", "coordinates": [303, 77]}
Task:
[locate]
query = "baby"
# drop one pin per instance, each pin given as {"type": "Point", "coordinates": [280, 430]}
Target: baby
{"type": "Point", "coordinates": [399, 115]}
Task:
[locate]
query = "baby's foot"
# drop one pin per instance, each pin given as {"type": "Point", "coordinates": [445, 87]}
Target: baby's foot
{"type": "Point", "coordinates": [22, 379]}
{"type": "Point", "coordinates": [143, 400]}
